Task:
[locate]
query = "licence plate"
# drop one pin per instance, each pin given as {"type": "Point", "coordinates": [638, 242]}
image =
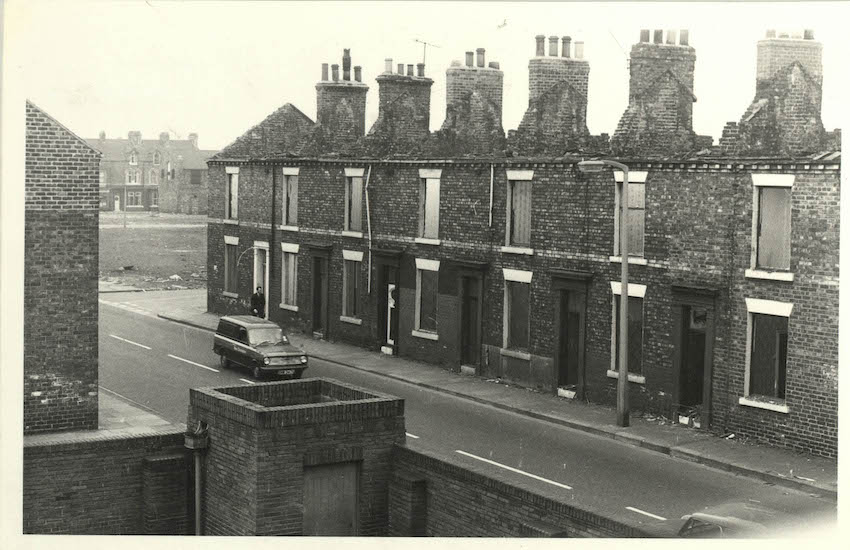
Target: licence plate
{"type": "Point", "coordinates": [287, 371]}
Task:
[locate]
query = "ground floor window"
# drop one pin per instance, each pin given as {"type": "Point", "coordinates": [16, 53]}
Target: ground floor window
{"type": "Point", "coordinates": [351, 284]}
{"type": "Point", "coordinates": [231, 256]}
{"type": "Point", "coordinates": [767, 353]}
{"type": "Point", "coordinates": [134, 198]}
{"type": "Point", "coordinates": [289, 279]}
{"type": "Point", "coordinates": [517, 311]}
{"type": "Point", "coordinates": [635, 328]}
{"type": "Point", "coordinates": [427, 277]}
{"type": "Point", "coordinates": [154, 198]}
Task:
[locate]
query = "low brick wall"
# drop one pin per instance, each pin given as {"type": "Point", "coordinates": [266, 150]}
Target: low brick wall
{"type": "Point", "coordinates": [432, 497]}
{"type": "Point", "coordinates": [106, 482]}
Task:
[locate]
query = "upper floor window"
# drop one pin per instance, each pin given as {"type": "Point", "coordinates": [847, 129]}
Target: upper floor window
{"type": "Point", "coordinates": [354, 200]}
{"type": "Point", "coordinates": [134, 159]}
{"type": "Point", "coordinates": [231, 193]}
{"type": "Point", "coordinates": [634, 211]}
{"type": "Point", "coordinates": [429, 203]}
{"type": "Point", "coordinates": [152, 177]}
{"type": "Point", "coordinates": [157, 158]}
{"type": "Point", "coordinates": [132, 176]}
{"type": "Point", "coordinates": [289, 215]}
{"type": "Point", "coordinates": [195, 177]}
{"type": "Point", "coordinates": [519, 208]}
{"type": "Point", "coordinates": [771, 247]}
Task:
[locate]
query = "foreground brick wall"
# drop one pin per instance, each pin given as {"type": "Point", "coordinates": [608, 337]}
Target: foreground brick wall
{"type": "Point", "coordinates": [104, 482]}
{"type": "Point", "coordinates": [433, 497]}
{"type": "Point", "coordinates": [60, 277]}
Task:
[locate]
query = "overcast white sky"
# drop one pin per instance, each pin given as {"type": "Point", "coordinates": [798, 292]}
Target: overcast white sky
{"type": "Point", "coordinates": [217, 68]}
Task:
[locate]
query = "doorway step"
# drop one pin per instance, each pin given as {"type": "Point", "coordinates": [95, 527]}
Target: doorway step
{"type": "Point", "coordinates": [568, 392]}
{"type": "Point", "coordinates": [468, 370]}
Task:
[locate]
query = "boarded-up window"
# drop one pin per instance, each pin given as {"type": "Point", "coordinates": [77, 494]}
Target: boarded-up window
{"type": "Point", "coordinates": [635, 334]}
{"type": "Point", "coordinates": [231, 254]}
{"type": "Point", "coordinates": [195, 177]}
{"type": "Point", "coordinates": [426, 283]}
{"type": "Point", "coordinates": [429, 208]}
{"type": "Point", "coordinates": [519, 210]}
{"type": "Point", "coordinates": [518, 296]}
{"type": "Point", "coordinates": [768, 355]}
{"type": "Point", "coordinates": [232, 196]}
{"type": "Point", "coordinates": [290, 200]}
{"type": "Point", "coordinates": [635, 213]}
{"type": "Point", "coordinates": [289, 279]}
{"type": "Point", "coordinates": [351, 288]}
{"type": "Point", "coordinates": [354, 204]}
{"type": "Point", "coordinates": [330, 500]}
{"type": "Point", "coordinates": [774, 228]}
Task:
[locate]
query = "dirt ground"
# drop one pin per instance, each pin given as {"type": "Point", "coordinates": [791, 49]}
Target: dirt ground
{"type": "Point", "coordinates": [152, 250]}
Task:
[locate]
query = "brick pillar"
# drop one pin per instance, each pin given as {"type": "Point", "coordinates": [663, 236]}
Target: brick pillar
{"type": "Point", "coordinates": [408, 511]}
{"type": "Point", "coordinates": [165, 494]}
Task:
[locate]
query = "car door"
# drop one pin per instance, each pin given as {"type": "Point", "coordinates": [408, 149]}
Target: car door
{"type": "Point", "coordinates": [241, 354]}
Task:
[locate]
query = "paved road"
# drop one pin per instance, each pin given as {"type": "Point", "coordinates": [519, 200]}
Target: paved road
{"type": "Point", "coordinates": [154, 363]}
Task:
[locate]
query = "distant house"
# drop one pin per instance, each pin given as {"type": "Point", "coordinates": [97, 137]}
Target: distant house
{"type": "Point", "coordinates": [153, 174]}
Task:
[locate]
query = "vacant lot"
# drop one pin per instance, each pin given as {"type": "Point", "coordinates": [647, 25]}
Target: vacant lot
{"type": "Point", "coordinates": [151, 250]}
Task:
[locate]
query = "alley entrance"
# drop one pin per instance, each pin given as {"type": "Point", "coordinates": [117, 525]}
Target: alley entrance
{"type": "Point", "coordinates": [693, 350]}
{"type": "Point", "coordinates": [570, 296]}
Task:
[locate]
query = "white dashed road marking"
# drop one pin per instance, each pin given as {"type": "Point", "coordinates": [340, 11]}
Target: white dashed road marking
{"type": "Point", "coordinates": [129, 341]}
{"type": "Point", "coordinates": [248, 381]}
{"type": "Point", "coordinates": [411, 435]}
{"type": "Point", "coordinates": [639, 511]}
{"type": "Point", "coordinates": [532, 476]}
{"type": "Point", "coordinates": [192, 363]}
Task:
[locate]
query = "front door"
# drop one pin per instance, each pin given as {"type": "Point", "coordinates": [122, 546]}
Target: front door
{"type": "Point", "coordinates": [470, 325]}
{"type": "Point", "coordinates": [569, 341]}
{"type": "Point", "coordinates": [261, 275]}
{"type": "Point", "coordinates": [117, 203]}
{"type": "Point", "coordinates": [692, 374]}
{"type": "Point", "coordinates": [320, 296]}
{"type": "Point", "coordinates": [330, 500]}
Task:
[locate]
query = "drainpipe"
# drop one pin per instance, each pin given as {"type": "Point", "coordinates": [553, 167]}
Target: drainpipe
{"type": "Point", "coordinates": [369, 229]}
{"type": "Point", "coordinates": [491, 196]}
{"type": "Point", "coordinates": [270, 258]}
{"type": "Point", "coordinates": [197, 441]}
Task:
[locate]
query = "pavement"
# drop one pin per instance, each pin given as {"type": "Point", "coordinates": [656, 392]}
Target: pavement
{"type": "Point", "coordinates": [119, 415]}
{"type": "Point", "coordinates": [774, 465]}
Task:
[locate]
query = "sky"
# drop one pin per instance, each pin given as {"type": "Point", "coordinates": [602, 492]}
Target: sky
{"type": "Point", "coordinates": [218, 68]}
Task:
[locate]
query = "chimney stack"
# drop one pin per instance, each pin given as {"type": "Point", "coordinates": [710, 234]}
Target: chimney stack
{"type": "Point", "coordinates": [565, 46]}
{"type": "Point", "coordinates": [102, 135]}
{"type": "Point", "coordinates": [163, 137]}
{"type": "Point", "coordinates": [193, 138]}
{"type": "Point", "coordinates": [545, 72]}
{"type": "Point", "coordinates": [404, 104]}
{"type": "Point", "coordinates": [553, 46]}
{"type": "Point", "coordinates": [540, 40]}
{"type": "Point", "coordinates": [341, 104]}
{"type": "Point", "coordinates": [774, 54]}
{"type": "Point", "coordinates": [487, 81]}
{"type": "Point", "coordinates": [135, 137]}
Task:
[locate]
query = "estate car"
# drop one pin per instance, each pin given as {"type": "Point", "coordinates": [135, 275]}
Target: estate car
{"type": "Point", "coordinates": [258, 345]}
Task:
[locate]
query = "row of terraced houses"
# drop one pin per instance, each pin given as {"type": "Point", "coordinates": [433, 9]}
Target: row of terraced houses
{"type": "Point", "coordinates": [493, 255]}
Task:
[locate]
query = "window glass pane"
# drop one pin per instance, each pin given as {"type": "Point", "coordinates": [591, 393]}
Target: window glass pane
{"type": "Point", "coordinates": [518, 321]}
{"type": "Point", "coordinates": [432, 208]}
{"type": "Point", "coordinates": [768, 355]}
{"type": "Point", "coordinates": [428, 300]}
{"type": "Point", "coordinates": [233, 196]}
{"type": "Point", "coordinates": [352, 286]}
{"type": "Point", "coordinates": [291, 200]}
{"type": "Point", "coordinates": [635, 334]}
{"type": "Point", "coordinates": [289, 280]}
{"type": "Point", "coordinates": [521, 213]}
{"type": "Point", "coordinates": [774, 228]}
{"type": "Point", "coordinates": [354, 204]}
{"type": "Point", "coordinates": [230, 271]}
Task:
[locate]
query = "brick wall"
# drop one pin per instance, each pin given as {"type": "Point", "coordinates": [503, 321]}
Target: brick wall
{"type": "Point", "coordinates": [341, 112]}
{"type": "Point", "coordinates": [60, 277]}
{"type": "Point", "coordinates": [438, 498]}
{"type": "Point", "coordinates": [103, 482]}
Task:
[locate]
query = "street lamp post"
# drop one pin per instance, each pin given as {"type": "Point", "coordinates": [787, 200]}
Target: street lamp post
{"type": "Point", "coordinates": [592, 166]}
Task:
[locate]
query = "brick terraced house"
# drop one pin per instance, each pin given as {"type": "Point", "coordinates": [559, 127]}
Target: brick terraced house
{"type": "Point", "coordinates": [494, 255]}
{"type": "Point", "coordinates": [165, 175]}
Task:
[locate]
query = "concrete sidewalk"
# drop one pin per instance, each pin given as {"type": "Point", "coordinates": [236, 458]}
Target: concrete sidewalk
{"type": "Point", "coordinates": [772, 465]}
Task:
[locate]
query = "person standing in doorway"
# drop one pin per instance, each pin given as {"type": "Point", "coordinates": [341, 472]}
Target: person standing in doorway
{"type": "Point", "coordinates": [258, 303]}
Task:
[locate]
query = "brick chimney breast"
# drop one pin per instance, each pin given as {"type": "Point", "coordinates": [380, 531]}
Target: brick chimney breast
{"type": "Point", "coordinates": [341, 107]}
{"type": "Point", "coordinates": [135, 137]}
{"type": "Point", "coordinates": [404, 105]}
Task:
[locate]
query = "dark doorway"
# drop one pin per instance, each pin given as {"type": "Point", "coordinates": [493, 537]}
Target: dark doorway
{"type": "Point", "coordinates": [470, 327]}
{"type": "Point", "coordinates": [692, 374]}
{"type": "Point", "coordinates": [569, 343]}
{"type": "Point", "coordinates": [320, 296]}
{"type": "Point", "coordinates": [388, 310]}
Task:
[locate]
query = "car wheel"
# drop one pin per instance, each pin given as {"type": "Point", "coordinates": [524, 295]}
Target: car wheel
{"type": "Point", "coordinates": [258, 373]}
{"type": "Point", "coordinates": [225, 362]}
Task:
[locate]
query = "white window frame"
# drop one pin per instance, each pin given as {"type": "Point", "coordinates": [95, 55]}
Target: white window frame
{"type": "Point", "coordinates": [351, 173]}
{"type": "Point", "coordinates": [635, 291]}
{"type": "Point", "coordinates": [157, 158]}
{"type": "Point", "coordinates": [763, 307]}
{"type": "Point", "coordinates": [134, 159]}
{"type": "Point", "coordinates": [286, 173]}
{"type": "Point", "coordinates": [515, 276]}
{"type": "Point", "coordinates": [152, 176]}
{"type": "Point", "coordinates": [231, 174]}
{"type": "Point", "coordinates": [760, 181]}
{"type": "Point", "coordinates": [512, 177]}
{"type": "Point", "coordinates": [427, 175]}
{"type": "Point", "coordinates": [234, 241]}
{"type": "Point", "coordinates": [635, 177]}
{"type": "Point", "coordinates": [289, 252]}
{"type": "Point", "coordinates": [136, 197]}
{"type": "Point", "coordinates": [350, 256]}
{"type": "Point", "coordinates": [423, 264]}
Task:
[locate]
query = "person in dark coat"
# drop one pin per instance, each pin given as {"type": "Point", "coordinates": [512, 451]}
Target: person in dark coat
{"type": "Point", "coordinates": [258, 303]}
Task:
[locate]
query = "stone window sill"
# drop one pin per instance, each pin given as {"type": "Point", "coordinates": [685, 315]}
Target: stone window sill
{"type": "Point", "coordinates": [769, 275]}
{"type": "Point", "coordinates": [293, 228]}
{"type": "Point", "coordinates": [230, 294]}
{"type": "Point", "coordinates": [350, 320]}
{"type": "Point", "coordinates": [518, 250]}
{"type": "Point", "coordinates": [288, 307]}
{"type": "Point", "coordinates": [632, 260]}
{"type": "Point", "coordinates": [516, 354]}
{"type": "Point", "coordinates": [778, 406]}
{"type": "Point", "coordinates": [427, 335]}
{"type": "Point", "coordinates": [423, 240]}
{"type": "Point", "coordinates": [355, 234]}
{"type": "Point", "coordinates": [231, 221]}
{"type": "Point", "coordinates": [636, 378]}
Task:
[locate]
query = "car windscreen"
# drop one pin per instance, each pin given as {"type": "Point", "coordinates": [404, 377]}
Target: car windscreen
{"type": "Point", "coordinates": [263, 336]}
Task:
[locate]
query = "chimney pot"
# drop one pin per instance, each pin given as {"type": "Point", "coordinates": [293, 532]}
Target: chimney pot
{"type": "Point", "coordinates": [480, 56]}
{"type": "Point", "coordinates": [658, 36]}
{"type": "Point", "coordinates": [771, 33]}
{"type": "Point", "coordinates": [494, 65]}
{"type": "Point", "coordinates": [346, 64]}
{"type": "Point", "coordinates": [420, 69]}
{"type": "Point", "coordinates": [401, 68]}
{"type": "Point", "coordinates": [193, 137]}
{"type": "Point", "coordinates": [579, 49]}
{"type": "Point", "coordinates": [671, 37]}
{"type": "Point", "coordinates": [808, 34]}
{"type": "Point", "coordinates": [410, 70]}
{"type": "Point", "coordinates": [553, 46]}
{"type": "Point", "coordinates": [388, 65]}
{"type": "Point", "coordinates": [783, 35]}
{"type": "Point", "coordinates": [683, 37]}
{"type": "Point", "coordinates": [644, 35]}
{"type": "Point", "coordinates": [324, 72]}
{"type": "Point", "coordinates": [357, 73]}
{"type": "Point", "coordinates": [540, 41]}
{"type": "Point", "coordinates": [565, 46]}
{"type": "Point", "coordinates": [335, 72]}
{"type": "Point", "coordinates": [469, 58]}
